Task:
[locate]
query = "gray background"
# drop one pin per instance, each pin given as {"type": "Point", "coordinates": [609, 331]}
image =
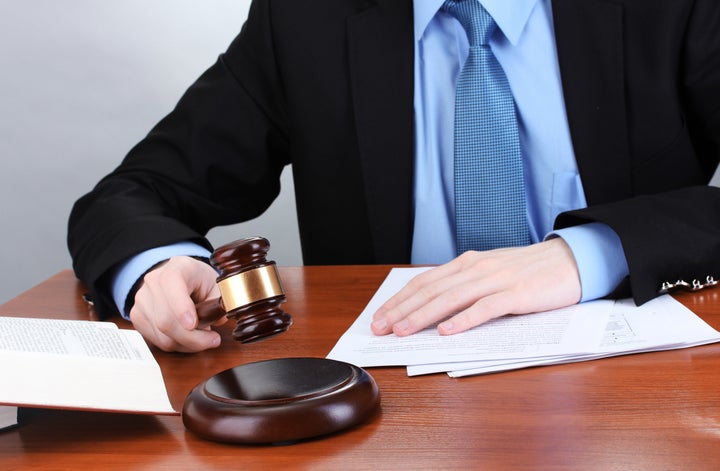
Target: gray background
{"type": "Point", "coordinates": [81, 81]}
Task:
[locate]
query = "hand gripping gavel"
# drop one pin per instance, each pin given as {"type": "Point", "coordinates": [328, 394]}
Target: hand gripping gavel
{"type": "Point", "coordinates": [250, 291]}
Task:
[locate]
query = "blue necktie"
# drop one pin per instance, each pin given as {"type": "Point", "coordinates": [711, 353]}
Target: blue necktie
{"type": "Point", "coordinates": [489, 190]}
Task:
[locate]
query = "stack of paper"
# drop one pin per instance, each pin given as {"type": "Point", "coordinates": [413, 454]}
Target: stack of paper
{"type": "Point", "coordinates": [585, 331]}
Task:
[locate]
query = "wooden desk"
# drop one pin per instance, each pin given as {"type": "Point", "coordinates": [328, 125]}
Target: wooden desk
{"type": "Point", "coordinates": [656, 411]}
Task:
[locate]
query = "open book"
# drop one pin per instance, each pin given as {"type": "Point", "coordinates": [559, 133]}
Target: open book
{"type": "Point", "coordinates": [76, 364]}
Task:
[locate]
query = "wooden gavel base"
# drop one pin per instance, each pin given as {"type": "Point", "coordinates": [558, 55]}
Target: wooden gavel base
{"type": "Point", "coordinates": [281, 400]}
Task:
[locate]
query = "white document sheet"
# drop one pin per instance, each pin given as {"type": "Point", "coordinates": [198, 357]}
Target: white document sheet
{"type": "Point", "coordinates": [581, 332]}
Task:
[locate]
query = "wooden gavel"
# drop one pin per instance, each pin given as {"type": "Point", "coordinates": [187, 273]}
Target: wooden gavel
{"type": "Point", "coordinates": [250, 291]}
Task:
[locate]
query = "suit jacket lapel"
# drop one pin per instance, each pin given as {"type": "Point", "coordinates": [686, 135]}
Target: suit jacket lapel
{"type": "Point", "coordinates": [589, 41]}
{"type": "Point", "coordinates": [380, 51]}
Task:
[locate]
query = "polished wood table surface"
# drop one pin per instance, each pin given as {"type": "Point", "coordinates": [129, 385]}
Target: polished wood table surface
{"type": "Point", "coordinates": [654, 411]}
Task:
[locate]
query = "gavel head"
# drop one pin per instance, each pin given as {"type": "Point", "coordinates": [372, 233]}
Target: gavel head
{"type": "Point", "coordinates": [250, 289]}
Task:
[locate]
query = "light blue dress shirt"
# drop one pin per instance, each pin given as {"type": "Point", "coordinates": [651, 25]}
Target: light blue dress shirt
{"type": "Point", "coordinates": [525, 47]}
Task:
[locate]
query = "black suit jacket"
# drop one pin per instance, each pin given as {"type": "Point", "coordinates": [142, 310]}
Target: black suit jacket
{"type": "Point", "coordinates": [327, 86]}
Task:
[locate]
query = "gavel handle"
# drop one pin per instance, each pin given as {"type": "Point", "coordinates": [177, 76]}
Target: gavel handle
{"type": "Point", "coordinates": [208, 312]}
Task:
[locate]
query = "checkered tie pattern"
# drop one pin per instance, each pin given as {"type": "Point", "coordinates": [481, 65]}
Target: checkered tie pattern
{"type": "Point", "coordinates": [490, 209]}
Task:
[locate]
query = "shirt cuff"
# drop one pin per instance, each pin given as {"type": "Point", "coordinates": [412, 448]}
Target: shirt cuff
{"type": "Point", "coordinates": [135, 267]}
{"type": "Point", "coordinates": [599, 256]}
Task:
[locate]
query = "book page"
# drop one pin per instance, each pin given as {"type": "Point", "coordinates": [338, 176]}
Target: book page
{"type": "Point", "coordinates": [78, 364]}
{"type": "Point", "coordinates": [65, 337]}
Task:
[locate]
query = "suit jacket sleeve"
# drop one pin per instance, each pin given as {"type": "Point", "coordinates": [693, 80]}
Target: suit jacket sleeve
{"type": "Point", "coordinates": [644, 113]}
{"type": "Point", "coordinates": [214, 160]}
{"type": "Point", "coordinates": [666, 237]}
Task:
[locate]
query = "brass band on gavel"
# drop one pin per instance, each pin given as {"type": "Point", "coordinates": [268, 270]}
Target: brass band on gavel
{"type": "Point", "coordinates": [250, 286]}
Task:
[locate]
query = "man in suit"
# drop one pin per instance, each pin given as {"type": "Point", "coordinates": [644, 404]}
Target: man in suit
{"type": "Point", "coordinates": [339, 88]}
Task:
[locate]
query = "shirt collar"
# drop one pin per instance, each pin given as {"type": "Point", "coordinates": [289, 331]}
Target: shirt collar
{"type": "Point", "coordinates": [510, 16]}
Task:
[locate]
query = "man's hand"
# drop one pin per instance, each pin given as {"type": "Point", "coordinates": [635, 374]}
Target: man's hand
{"type": "Point", "coordinates": [164, 310]}
{"type": "Point", "coordinates": [479, 286]}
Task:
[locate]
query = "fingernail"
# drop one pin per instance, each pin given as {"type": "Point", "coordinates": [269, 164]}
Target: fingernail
{"type": "Point", "coordinates": [379, 325]}
{"type": "Point", "coordinates": [401, 326]}
{"type": "Point", "coordinates": [446, 327]}
{"type": "Point", "coordinates": [188, 320]}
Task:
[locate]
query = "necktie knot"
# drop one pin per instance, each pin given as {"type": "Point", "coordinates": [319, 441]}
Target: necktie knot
{"type": "Point", "coordinates": [475, 20]}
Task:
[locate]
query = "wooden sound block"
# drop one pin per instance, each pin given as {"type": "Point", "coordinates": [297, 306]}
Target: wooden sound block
{"type": "Point", "coordinates": [280, 400]}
